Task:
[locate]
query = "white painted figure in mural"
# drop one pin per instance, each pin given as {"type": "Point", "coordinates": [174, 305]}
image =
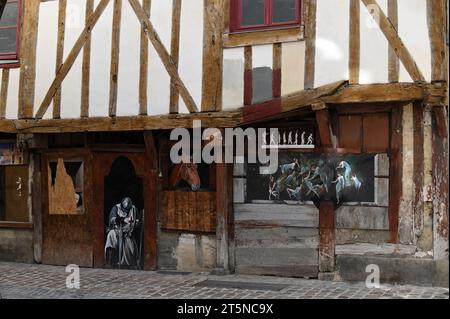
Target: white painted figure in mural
{"type": "Point", "coordinates": [121, 248]}
{"type": "Point", "coordinates": [310, 139]}
{"type": "Point", "coordinates": [296, 138]}
{"type": "Point", "coordinates": [303, 138]}
{"type": "Point", "coordinates": [290, 138]}
{"type": "Point", "coordinates": [284, 138]}
{"type": "Point", "coordinates": [264, 138]}
{"type": "Point", "coordinates": [345, 179]}
{"type": "Point", "coordinates": [272, 139]}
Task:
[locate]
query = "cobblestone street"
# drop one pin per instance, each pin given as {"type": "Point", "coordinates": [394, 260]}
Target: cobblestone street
{"type": "Point", "coordinates": [40, 281]}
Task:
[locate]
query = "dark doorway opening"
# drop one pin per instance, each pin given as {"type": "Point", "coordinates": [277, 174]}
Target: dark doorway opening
{"type": "Point", "coordinates": [122, 182]}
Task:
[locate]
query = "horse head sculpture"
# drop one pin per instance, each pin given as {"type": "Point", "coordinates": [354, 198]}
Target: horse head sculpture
{"type": "Point", "coordinates": [187, 172]}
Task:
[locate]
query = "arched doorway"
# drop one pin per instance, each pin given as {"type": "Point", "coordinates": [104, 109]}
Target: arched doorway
{"type": "Point", "coordinates": [125, 175]}
{"type": "Point", "coordinates": [123, 186]}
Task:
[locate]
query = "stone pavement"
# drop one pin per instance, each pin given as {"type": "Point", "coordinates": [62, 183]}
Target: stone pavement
{"type": "Point", "coordinates": [19, 281]}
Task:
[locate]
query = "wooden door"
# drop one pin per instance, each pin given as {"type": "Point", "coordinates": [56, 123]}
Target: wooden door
{"type": "Point", "coordinates": [66, 232]}
{"type": "Point", "coordinates": [102, 166]}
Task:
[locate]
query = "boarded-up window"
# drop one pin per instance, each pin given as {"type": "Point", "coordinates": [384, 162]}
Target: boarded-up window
{"type": "Point", "coordinates": [14, 193]}
{"type": "Point", "coordinates": [368, 133]}
{"type": "Point", "coordinates": [65, 187]}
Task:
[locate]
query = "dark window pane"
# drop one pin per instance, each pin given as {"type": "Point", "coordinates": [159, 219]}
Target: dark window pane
{"type": "Point", "coordinates": [7, 40]}
{"type": "Point", "coordinates": [252, 12]}
{"type": "Point", "coordinates": [284, 11]}
{"type": "Point", "coordinates": [9, 16]}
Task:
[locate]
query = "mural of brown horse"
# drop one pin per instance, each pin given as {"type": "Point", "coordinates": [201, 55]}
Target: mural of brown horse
{"type": "Point", "coordinates": [187, 172]}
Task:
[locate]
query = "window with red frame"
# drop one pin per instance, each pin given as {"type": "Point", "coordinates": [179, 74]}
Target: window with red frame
{"type": "Point", "coordinates": [9, 32]}
{"type": "Point", "coordinates": [247, 15]}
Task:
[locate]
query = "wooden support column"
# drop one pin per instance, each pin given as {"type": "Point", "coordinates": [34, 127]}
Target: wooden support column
{"type": "Point", "coordinates": [143, 71]}
{"type": "Point", "coordinates": [276, 70]}
{"type": "Point", "coordinates": [4, 92]}
{"type": "Point", "coordinates": [395, 172]}
{"type": "Point", "coordinates": [212, 55]}
{"type": "Point", "coordinates": [310, 37]}
{"type": "Point", "coordinates": [28, 43]}
{"type": "Point", "coordinates": [36, 204]}
{"type": "Point", "coordinates": [115, 51]}
{"type": "Point", "coordinates": [393, 61]}
{"type": "Point", "coordinates": [85, 76]}
{"type": "Point", "coordinates": [327, 237]}
{"type": "Point", "coordinates": [418, 160]}
{"type": "Point", "coordinates": [323, 119]}
{"type": "Point", "coordinates": [174, 53]}
{"type": "Point", "coordinates": [248, 76]}
{"type": "Point", "coordinates": [355, 41]}
{"type": "Point", "coordinates": [150, 223]}
{"type": "Point", "coordinates": [224, 230]}
{"type": "Point", "coordinates": [59, 54]}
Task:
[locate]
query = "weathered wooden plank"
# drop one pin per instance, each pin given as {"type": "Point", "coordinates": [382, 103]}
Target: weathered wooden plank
{"type": "Point", "coordinates": [223, 214]}
{"type": "Point", "coordinates": [212, 55]}
{"type": "Point", "coordinates": [125, 123]}
{"type": "Point", "coordinates": [273, 212]}
{"type": "Point", "coordinates": [324, 126]}
{"type": "Point", "coordinates": [143, 68]}
{"type": "Point", "coordinates": [242, 39]}
{"type": "Point", "coordinates": [62, 4]}
{"type": "Point", "coordinates": [367, 217]}
{"type": "Point", "coordinates": [375, 249]}
{"type": "Point", "coordinates": [276, 256]}
{"type": "Point", "coordinates": [4, 92]}
{"type": "Point", "coordinates": [174, 53]}
{"type": "Point", "coordinates": [393, 62]}
{"type": "Point", "coordinates": [307, 271]}
{"type": "Point", "coordinates": [85, 75]}
{"type": "Point", "coordinates": [70, 60]}
{"type": "Point", "coordinates": [310, 36]}
{"type": "Point", "coordinates": [28, 45]}
{"type": "Point", "coordinates": [115, 51]}
{"type": "Point", "coordinates": [283, 237]}
{"type": "Point", "coordinates": [164, 55]}
{"type": "Point", "coordinates": [394, 40]}
{"type": "Point", "coordinates": [355, 41]}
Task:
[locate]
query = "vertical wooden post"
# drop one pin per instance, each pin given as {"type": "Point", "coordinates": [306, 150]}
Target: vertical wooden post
{"type": "Point", "coordinates": [310, 36]}
{"type": "Point", "coordinates": [248, 75]}
{"type": "Point", "coordinates": [212, 55]}
{"type": "Point", "coordinates": [115, 51]}
{"type": "Point", "coordinates": [224, 198]}
{"type": "Point", "coordinates": [85, 82]}
{"type": "Point", "coordinates": [394, 63]}
{"type": "Point", "coordinates": [59, 54]}
{"type": "Point", "coordinates": [276, 70]}
{"type": "Point", "coordinates": [143, 70]}
{"type": "Point", "coordinates": [354, 58]}
{"type": "Point", "coordinates": [30, 20]}
{"type": "Point", "coordinates": [174, 53]}
{"type": "Point", "coordinates": [36, 204]}
{"type": "Point", "coordinates": [395, 172]}
{"type": "Point", "coordinates": [327, 236]}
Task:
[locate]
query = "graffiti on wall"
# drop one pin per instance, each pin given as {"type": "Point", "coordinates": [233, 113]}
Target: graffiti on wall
{"type": "Point", "coordinates": [314, 177]}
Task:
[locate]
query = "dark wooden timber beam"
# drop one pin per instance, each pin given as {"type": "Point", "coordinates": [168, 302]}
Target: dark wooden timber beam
{"type": "Point", "coordinates": [125, 123]}
{"type": "Point", "coordinates": [323, 120]}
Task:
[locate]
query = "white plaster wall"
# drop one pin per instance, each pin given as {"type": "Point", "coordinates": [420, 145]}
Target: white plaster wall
{"type": "Point", "coordinates": [71, 87]}
{"type": "Point", "coordinates": [191, 50]}
{"type": "Point", "coordinates": [292, 67]}
{"type": "Point", "coordinates": [262, 55]}
{"type": "Point", "coordinates": [100, 63]}
{"type": "Point", "coordinates": [332, 38]}
{"type": "Point", "coordinates": [413, 29]}
{"type": "Point", "coordinates": [46, 52]}
{"type": "Point", "coordinates": [374, 49]}
{"type": "Point", "coordinates": [158, 79]}
{"type": "Point", "coordinates": [233, 78]}
{"type": "Point", "coordinates": [12, 100]}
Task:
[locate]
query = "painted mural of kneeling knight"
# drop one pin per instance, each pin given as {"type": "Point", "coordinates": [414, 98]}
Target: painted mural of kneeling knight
{"type": "Point", "coordinates": [311, 177]}
{"type": "Point", "coordinates": [123, 245]}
